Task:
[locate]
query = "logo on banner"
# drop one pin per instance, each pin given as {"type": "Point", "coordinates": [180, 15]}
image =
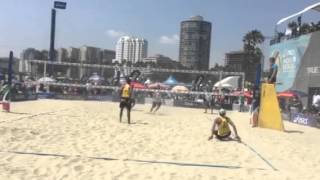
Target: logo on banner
{"type": "Point", "coordinates": [300, 119]}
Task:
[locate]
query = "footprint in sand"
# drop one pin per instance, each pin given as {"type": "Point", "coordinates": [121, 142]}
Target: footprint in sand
{"type": "Point", "coordinates": [40, 171]}
{"type": "Point", "coordinates": [44, 136]}
{"type": "Point", "coordinates": [3, 130]}
{"type": "Point", "coordinates": [78, 168]}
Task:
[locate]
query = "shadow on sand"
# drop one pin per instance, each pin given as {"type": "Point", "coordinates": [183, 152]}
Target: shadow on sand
{"type": "Point", "coordinates": [19, 113]}
{"type": "Point", "coordinates": [294, 131]}
{"type": "Point", "coordinates": [132, 160]}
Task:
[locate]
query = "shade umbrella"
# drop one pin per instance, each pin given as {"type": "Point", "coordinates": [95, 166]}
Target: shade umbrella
{"type": "Point", "coordinates": [247, 94]}
{"type": "Point", "coordinates": [137, 85]}
{"type": "Point", "coordinates": [148, 81]}
{"type": "Point", "coordinates": [298, 93]}
{"type": "Point", "coordinates": [158, 86]}
{"type": "Point", "coordinates": [96, 78]}
{"type": "Point", "coordinates": [180, 89]}
{"type": "Point", "coordinates": [237, 93]}
{"type": "Point", "coordinates": [46, 80]}
{"type": "Point", "coordinates": [285, 94]}
{"type": "Point", "coordinates": [292, 93]}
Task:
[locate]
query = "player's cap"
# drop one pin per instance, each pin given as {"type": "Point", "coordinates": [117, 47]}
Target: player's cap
{"type": "Point", "coordinates": [222, 112]}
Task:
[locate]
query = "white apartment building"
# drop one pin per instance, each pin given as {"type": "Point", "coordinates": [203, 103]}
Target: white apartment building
{"type": "Point", "coordinates": [131, 49]}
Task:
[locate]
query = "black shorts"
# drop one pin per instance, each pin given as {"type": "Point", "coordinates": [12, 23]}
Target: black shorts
{"type": "Point", "coordinates": [156, 103]}
{"type": "Point", "coordinates": [223, 137]}
{"type": "Point", "coordinates": [125, 103]}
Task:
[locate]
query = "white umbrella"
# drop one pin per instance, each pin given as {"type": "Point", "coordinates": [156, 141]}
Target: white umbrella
{"type": "Point", "coordinates": [148, 81]}
{"type": "Point", "coordinates": [46, 80]}
{"type": "Point", "coordinates": [96, 77]}
{"type": "Point", "coordinates": [179, 89]}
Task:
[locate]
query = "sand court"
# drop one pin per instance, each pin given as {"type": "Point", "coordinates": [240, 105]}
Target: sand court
{"type": "Point", "coordinates": [56, 139]}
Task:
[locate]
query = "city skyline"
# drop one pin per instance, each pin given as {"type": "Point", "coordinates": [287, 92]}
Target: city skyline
{"type": "Point", "coordinates": [100, 23]}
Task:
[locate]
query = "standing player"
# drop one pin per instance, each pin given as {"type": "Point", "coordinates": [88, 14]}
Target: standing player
{"type": "Point", "coordinates": [156, 103]}
{"type": "Point", "coordinates": [125, 99]}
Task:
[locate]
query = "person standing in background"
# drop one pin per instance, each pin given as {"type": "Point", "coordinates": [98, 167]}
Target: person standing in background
{"type": "Point", "coordinates": [272, 77]}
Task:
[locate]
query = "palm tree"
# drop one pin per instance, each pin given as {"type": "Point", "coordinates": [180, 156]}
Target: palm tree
{"type": "Point", "coordinates": [251, 41]}
{"type": "Point", "coordinates": [253, 53]}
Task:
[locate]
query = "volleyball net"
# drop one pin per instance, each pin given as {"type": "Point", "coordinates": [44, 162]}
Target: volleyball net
{"type": "Point", "coordinates": [104, 81]}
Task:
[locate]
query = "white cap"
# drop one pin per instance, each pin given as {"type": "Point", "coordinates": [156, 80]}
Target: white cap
{"type": "Point", "coordinates": [222, 111]}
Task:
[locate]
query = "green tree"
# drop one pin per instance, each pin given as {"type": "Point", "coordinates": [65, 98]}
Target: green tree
{"type": "Point", "coordinates": [294, 28]}
{"type": "Point", "coordinates": [251, 42]}
{"type": "Point", "coordinates": [253, 53]}
{"type": "Point", "coordinates": [305, 28]}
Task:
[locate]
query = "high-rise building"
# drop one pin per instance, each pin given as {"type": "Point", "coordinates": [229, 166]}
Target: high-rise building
{"type": "Point", "coordinates": [195, 39]}
{"type": "Point", "coordinates": [234, 60]}
{"type": "Point", "coordinates": [162, 61]}
{"type": "Point", "coordinates": [90, 55]}
{"type": "Point", "coordinates": [131, 49]}
{"type": "Point", "coordinates": [107, 56]}
{"type": "Point", "coordinates": [237, 61]}
{"type": "Point", "coordinates": [73, 54]}
{"type": "Point", "coordinates": [28, 54]}
{"type": "Point", "coordinates": [62, 55]}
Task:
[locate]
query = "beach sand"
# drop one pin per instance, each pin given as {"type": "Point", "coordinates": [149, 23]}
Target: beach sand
{"type": "Point", "coordinates": [56, 139]}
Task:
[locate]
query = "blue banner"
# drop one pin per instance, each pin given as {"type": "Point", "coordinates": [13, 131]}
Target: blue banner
{"type": "Point", "coordinates": [290, 56]}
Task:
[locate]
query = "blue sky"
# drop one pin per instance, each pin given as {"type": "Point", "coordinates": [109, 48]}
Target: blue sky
{"type": "Point", "coordinates": [26, 23]}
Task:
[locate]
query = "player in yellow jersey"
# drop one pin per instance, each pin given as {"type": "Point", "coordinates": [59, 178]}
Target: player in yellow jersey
{"type": "Point", "coordinates": [221, 129]}
{"type": "Point", "coordinates": [125, 99]}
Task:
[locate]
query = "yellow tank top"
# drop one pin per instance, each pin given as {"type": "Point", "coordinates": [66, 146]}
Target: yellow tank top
{"type": "Point", "coordinates": [223, 128]}
{"type": "Point", "coordinates": [126, 91]}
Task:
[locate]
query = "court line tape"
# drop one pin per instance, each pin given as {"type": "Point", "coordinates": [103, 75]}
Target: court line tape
{"type": "Point", "coordinates": [34, 115]}
{"type": "Point", "coordinates": [132, 160]}
{"type": "Point", "coordinates": [259, 155]}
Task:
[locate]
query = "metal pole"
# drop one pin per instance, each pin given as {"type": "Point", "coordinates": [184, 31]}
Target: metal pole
{"type": "Point", "coordinates": [45, 69]}
{"type": "Point", "coordinates": [10, 74]}
{"type": "Point", "coordinates": [243, 80]}
{"type": "Point", "coordinates": [220, 77]}
{"type": "Point", "coordinates": [52, 38]}
{"type": "Point", "coordinates": [10, 69]}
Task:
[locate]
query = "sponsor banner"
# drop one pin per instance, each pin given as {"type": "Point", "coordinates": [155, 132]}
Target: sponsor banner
{"type": "Point", "coordinates": [307, 120]}
{"type": "Point", "coordinates": [290, 54]}
{"type": "Point", "coordinates": [99, 98]}
{"type": "Point", "coordinates": [24, 97]}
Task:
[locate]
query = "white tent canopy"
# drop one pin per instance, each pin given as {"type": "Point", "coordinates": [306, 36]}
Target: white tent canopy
{"type": "Point", "coordinates": [315, 7]}
{"type": "Point", "coordinates": [228, 82]}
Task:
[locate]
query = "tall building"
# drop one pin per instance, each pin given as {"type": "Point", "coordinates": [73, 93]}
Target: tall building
{"type": "Point", "coordinates": [73, 54]}
{"type": "Point", "coordinates": [90, 55]}
{"type": "Point", "coordinates": [195, 39]}
{"type": "Point", "coordinates": [107, 56]}
{"type": "Point", "coordinates": [162, 61]}
{"type": "Point", "coordinates": [131, 49]}
{"type": "Point", "coordinates": [234, 60]}
{"type": "Point", "coordinates": [62, 55]}
{"type": "Point", "coordinates": [237, 61]}
{"type": "Point", "coordinates": [28, 54]}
